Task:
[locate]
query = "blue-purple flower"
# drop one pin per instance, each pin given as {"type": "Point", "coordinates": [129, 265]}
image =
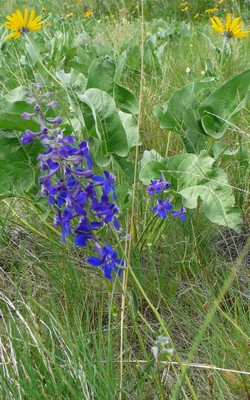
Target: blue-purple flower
{"type": "Point", "coordinates": [108, 261]}
{"type": "Point", "coordinates": [162, 208]}
{"type": "Point", "coordinates": [81, 199]}
{"type": "Point", "coordinates": [180, 214]}
{"type": "Point", "coordinates": [157, 186]}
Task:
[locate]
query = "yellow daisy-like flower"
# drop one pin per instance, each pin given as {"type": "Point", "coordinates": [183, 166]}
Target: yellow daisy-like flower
{"type": "Point", "coordinates": [184, 9]}
{"type": "Point", "coordinates": [232, 29]}
{"type": "Point", "coordinates": [88, 13]}
{"type": "Point", "coordinates": [22, 24]}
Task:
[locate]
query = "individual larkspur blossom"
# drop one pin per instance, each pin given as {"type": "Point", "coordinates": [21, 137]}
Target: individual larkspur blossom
{"type": "Point", "coordinates": [163, 207]}
{"type": "Point", "coordinates": [84, 202]}
{"type": "Point", "coordinates": [108, 261]}
{"type": "Point", "coordinates": [22, 24]}
{"type": "Point", "coordinates": [157, 186]}
{"type": "Point", "coordinates": [232, 29]}
{"type": "Point", "coordinates": [180, 214]}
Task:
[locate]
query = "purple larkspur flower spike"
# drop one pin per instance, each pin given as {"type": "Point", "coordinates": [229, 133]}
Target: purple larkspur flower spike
{"type": "Point", "coordinates": [80, 198]}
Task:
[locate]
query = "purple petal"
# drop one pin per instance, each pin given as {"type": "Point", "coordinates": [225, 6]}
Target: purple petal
{"type": "Point", "coordinates": [94, 261]}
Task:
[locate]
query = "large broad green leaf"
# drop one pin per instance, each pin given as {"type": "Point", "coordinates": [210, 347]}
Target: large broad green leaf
{"type": "Point", "coordinates": [221, 105]}
{"type": "Point", "coordinates": [179, 109]}
{"type": "Point", "coordinates": [193, 137]}
{"type": "Point", "coordinates": [196, 178]}
{"type": "Point", "coordinates": [189, 169]}
{"type": "Point", "coordinates": [17, 172]}
{"type": "Point", "coordinates": [120, 65]}
{"type": "Point", "coordinates": [105, 122]}
{"type": "Point", "coordinates": [74, 80]}
{"type": "Point", "coordinates": [125, 168]}
{"type": "Point", "coordinates": [193, 141]}
{"type": "Point", "coordinates": [218, 203]}
{"type": "Point", "coordinates": [15, 178]}
{"type": "Point", "coordinates": [12, 150]}
{"type": "Point", "coordinates": [151, 166]}
{"type": "Point", "coordinates": [83, 58]}
{"type": "Point", "coordinates": [130, 125]}
{"type": "Point", "coordinates": [101, 74]}
{"type": "Point", "coordinates": [151, 60]}
{"type": "Point", "coordinates": [152, 170]}
{"type": "Point", "coordinates": [125, 100]}
{"type": "Point", "coordinates": [150, 155]}
{"type": "Point", "coordinates": [167, 120]}
{"type": "Point", "coordinates": [17, 94]}
{"type": "Point", "coordinates": [10, 116]}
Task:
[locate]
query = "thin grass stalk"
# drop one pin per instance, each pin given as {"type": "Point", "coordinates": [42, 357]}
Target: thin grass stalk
{"type": "Point", "coordinates": [132, 221]}
{"type": "Point", "coordinates": [210, 317]}
{"type": "Point", "coordinates": [123, 304]}
{"type": "Point", "coordinates": [165, 331]}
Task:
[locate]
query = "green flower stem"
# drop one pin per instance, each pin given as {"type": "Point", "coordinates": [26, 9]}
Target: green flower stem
{"type": "Point", "coordinates": [225, 40]}
{"type": "Point", "coordinates": [165, 331]}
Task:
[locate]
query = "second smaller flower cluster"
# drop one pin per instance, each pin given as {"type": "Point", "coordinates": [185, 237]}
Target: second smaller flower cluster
{"type": "Point", "coordinates": [164, 207]}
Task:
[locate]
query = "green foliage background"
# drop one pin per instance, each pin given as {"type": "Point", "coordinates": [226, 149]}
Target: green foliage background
{"type": "Point", "coordinates": [60, 321]}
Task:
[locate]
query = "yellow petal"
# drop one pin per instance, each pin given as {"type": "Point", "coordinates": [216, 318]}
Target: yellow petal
{"type": "Point", "coordinates": [9, 25]}
{"type": "Point", "coordinates": [228, 22]}
{"type": "Point", "coordinates": [236, 25]}
{"type": "Point", "coordinates": [36, 20]}
{"type": "Point", "coordinates": [19, 16]}
{"type": "Point", "coordinates": [10, 18]}
{"type": "Point", "coordinates": [36, 28]}
{"type": "Point", "coordinates": [241, 34]}
{"type": "Point", "coordinates": [32, 15]}
{"type": "Point", "coordinates": [13, 35]}
{"type": "Point", "coordinates": [14, 21]}
{"type": "Point", "coordinates": [217, 24]}
{"type": "Point", "coordinates": [25, 17]}
{"type": "Point", "coordinates": [236, 30]}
